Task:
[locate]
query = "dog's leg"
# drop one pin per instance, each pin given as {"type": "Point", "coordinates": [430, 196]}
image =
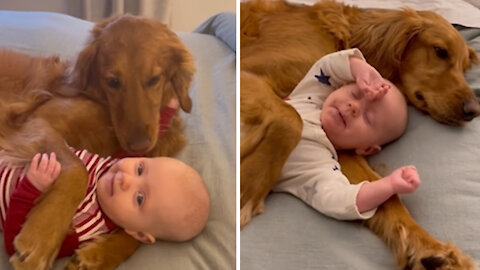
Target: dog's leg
{"type": "Point", "coordinates": [38, 243]}
{"type": "Point", "coordinates": [104, 253]}
{"type": "Point", "coordinates": [270, 130]}
{"type": "Point", "coordinates": [46, 226]}
{"type": "Point", "coordinates": [413, 247]}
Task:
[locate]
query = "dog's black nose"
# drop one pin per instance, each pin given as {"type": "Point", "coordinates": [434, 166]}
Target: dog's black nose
{"type": "Point", "coordinates": [471, 109]}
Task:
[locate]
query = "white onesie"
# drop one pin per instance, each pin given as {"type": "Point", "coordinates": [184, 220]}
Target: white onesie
{"type": "Point", "coordinates": [312, 172]}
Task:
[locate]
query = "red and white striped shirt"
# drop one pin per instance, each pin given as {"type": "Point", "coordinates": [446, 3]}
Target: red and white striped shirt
{"type": "Point", "coordinates": [17, 197]}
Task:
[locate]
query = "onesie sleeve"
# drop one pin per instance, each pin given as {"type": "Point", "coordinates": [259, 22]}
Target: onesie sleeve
{"type": "Point", "coordinates": [327, 74]}
{"type": "Point", "coordinates": [313, 174]}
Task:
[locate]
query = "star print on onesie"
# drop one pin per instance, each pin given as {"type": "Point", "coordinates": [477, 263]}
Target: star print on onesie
{"type": "Point", "coordinates": [323, 78]}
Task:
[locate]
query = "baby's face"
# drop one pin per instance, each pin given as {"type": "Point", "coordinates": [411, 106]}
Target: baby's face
{"type": "Point", "coordinates": [150, 195]}
{"type": "Point", "coordinates": [351, 120]}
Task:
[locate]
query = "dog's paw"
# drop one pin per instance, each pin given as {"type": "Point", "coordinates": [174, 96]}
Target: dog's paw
{"type": "Point", "coordinates": [36, 246]}
{"type": "Point", "coordinates": [245, 215]}
{"type": "Point", "coordinates": [250, 210]}
{"type": "Point", "coordinates": [259, 208]}
{"type": "Point", "coordinates": [105, 252]}
{"type": "Point", "coordinates": [29, 256]}
{"type": "Point", "coordinates": [81, 261]}
{"type": "Point", "coordinates": [89, 257]}
{"type": "Point", "coordinates": [443, 257]}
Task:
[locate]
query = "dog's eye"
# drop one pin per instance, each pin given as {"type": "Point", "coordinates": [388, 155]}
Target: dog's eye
{"type": "Point", "coordinates": [441, 52]}
{"type": "Point", "coordinates": [154, 80]}
{"type": "Point", "coordinates": [419, 96]}
{"type": "Point", "coordinates": [114, 83]}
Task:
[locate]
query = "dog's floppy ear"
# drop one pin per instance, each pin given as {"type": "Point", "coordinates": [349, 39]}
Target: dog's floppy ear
{"type": "Point", "coordinates": [83, 64]}
{"type": "Point", "coordinates": [388, 33]}
{"type": "Point", "coordinates": [81, 69]}
{"type": "Point", "coordinates": [182, 77]}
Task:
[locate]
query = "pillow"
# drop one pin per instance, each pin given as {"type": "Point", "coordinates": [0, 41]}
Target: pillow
{"type": "Point", "coordinates": [43, 33]}
{"type": "Point", "coordinates": [220, 25]}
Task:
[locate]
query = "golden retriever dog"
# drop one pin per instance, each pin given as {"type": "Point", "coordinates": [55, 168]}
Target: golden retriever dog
{"type": "Point", "coordinates": [419, 51]}
{"type": "Point", "coordinates": [107, 101]}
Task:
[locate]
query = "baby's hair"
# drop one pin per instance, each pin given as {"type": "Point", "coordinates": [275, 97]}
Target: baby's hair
{"type": "Point", "coordinates": [194, 216]}
{"type": "Point", "coordinates": [197, 209]}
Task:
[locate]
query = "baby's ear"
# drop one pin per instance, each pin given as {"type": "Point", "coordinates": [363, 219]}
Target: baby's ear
{"type": "Point", "coordinates": [368, 151]}
{"type": "Point", "coordinates": [145, 238]}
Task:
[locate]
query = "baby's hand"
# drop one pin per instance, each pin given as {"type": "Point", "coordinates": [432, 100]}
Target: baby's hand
{"type": "Point", "coordinates": [405, 179]}
{"type": "Point", "coordinates": [173, 103]}
{"type": "Point", "coordinates": [377, 90]}
{"type": "Point", "coordinates": [43, 171]}
{"type": "Point", "coordinates": [368, 79]}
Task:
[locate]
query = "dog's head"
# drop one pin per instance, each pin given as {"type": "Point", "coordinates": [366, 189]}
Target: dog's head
{"type": "Point", "coordinates": [426, 57]}
{"type": "Point", "coordinates": [134, 66]}
{"type": "Point", "coordinates": [432, 68]}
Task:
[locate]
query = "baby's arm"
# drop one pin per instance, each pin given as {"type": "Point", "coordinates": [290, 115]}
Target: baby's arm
{"type": "Point", "coordinates": [41, 174]}
{"type": "Point", "coordinates": [368, 78]}
{"type": "Point", "coordinates": [312, 174]}
{"type": "Point", "coordinates": [327, 74]}
{"type": "Point", "coordinates": [43, 171]}
{"type": "Point", "coordinates": [372, 194]}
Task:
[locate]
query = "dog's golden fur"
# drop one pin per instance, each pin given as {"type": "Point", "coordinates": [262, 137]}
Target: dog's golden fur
{"type": "Point", "coordinates": [108, 99]}
{"type": "Point", "coordinates": [417, 50]}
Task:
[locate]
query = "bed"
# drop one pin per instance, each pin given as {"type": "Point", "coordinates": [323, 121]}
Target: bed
{"type": "Point", "coordinates": [210, 128]}
{"type": "Point", "coordinates": [291, 235]}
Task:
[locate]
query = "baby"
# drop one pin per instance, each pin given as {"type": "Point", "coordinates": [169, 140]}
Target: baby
{"type": "Point", "coordinates": [345, 104]}
{"type": "Point", "coordinates": [150, 198]}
